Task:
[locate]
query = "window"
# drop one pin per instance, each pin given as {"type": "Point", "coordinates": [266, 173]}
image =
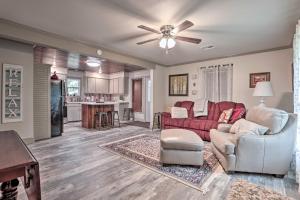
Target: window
{"type": "Point", "coordinates": [216, 82]}
{"type": "Point", "coordinates": [73, 87]}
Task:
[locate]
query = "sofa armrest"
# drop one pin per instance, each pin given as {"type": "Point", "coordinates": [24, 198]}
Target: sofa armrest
{"type": "Point", "coordinates": [250, 153]}
{"type": "Point", "coordinates": [224, 127]}
{"type": "Point", "coordinates": [166, 114]}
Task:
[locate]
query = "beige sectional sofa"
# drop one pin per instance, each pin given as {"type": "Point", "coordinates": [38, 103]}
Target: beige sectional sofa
{"type": "Point", "coordinates": [270, 153]}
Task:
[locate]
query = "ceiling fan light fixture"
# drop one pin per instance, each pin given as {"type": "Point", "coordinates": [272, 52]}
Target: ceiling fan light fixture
{"type": "Point", "coordinates": [171, 43]}
{"type": "Point", "coordinates": [167, 42]}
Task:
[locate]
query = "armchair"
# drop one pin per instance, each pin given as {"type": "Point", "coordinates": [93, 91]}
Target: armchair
{"type": "Point", "coordinates": [247, 152]}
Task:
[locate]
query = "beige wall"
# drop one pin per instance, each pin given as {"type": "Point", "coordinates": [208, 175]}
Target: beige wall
{"type": "Point", "coordinates": [279, 63]}
{"type": "Point", "coordinates": [158, 86]}
{"type": "Point", "coordinates": [20, 54]}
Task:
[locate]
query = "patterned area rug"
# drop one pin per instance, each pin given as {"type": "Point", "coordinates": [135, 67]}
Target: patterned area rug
{"type": "Point", "coordinates": [243, 190]}
{"type": "Point", "coordinates": [144, 150]}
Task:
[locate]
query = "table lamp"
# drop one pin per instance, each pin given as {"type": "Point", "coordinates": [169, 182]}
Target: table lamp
{"type": "Point", "coordinates": [263, 89]}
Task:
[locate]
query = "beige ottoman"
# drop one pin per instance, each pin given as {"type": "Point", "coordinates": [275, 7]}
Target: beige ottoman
{"type": "Point", "coordinates": [180, 146]}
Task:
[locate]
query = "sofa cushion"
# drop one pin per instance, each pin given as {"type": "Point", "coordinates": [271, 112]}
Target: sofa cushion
{"type": "Point", "coordinates": [189, 107]}
{"type": "Point", "coordinates": [224, 142]}
{"type": "Point", "coordinates": [181, 139]}
{"type": "Point", "coordinates": [272, 118]}
{"type": "Point", "coordinates": [178, 112]}
{"type": "Point", "coordinates": [177, 104]}
{"type": "Point", "coordinates": [225, 105]}
{"type": "Point", "coordinates": [225, 116]}
{"type": "Point", "coordinates": [224, 127]}
{"type": "Point", "coordinates": [237, 114]}
{"type": "Point", "coordinates": [200, 124]}
{"type": "Point", "coordinates": [245, 126]}
{"type": "Point", "coordinates": [174, 122]}
{"type": "Point", "coordinates": [213, 111]}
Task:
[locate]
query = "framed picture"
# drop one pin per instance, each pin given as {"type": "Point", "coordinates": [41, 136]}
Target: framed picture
{"type": "Point", "coordinates": [12, 93]}
{"type": "Point", "coordinates": [179, 85]}
{"type": "Point", "coordinates": [258, 77]}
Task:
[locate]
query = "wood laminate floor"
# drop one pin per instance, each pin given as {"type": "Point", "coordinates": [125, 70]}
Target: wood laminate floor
{"type": "Point", "coordinates": [74, 167]}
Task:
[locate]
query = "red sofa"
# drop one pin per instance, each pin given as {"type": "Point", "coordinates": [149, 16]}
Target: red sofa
{"type": "Point", "coordinates": [200, 125]}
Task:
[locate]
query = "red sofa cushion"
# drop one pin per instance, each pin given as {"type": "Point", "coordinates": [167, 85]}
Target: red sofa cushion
{"type": "Point", "coordinates": [200, 124]}
{"type": "Point", "coordinates": [174, 122]}
{"type": "Point", "coordinates": [213, 111]}
{"type": "Point", "coordinates": [177, 104]}
{"type": "Point", "coordinates": [189, 106]}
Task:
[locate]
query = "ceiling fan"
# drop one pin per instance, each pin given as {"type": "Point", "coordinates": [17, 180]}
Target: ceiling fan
{"type": "Point", "coordinates": [169, 35]}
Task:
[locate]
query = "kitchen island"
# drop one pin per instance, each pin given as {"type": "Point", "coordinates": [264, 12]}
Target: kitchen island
{"type": "Point", "coordinates": [89, 109]}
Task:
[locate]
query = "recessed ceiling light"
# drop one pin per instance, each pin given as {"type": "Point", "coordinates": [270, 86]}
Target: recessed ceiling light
{"type": "Point", "coordinates": [93, 62]}
{"type": "Point", "coordinates": [208, 47]}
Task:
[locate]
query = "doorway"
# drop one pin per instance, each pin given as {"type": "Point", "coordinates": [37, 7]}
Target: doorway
{"type": "Point", "coordinates": [137, 95]}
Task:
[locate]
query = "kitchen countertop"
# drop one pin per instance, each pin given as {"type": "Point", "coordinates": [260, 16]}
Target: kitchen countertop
{"type": "Point", "coordinates": [95, 103]}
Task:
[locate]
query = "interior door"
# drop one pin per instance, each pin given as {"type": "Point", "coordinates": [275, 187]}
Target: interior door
{"type": "Point", "coordinates": [137, 95]}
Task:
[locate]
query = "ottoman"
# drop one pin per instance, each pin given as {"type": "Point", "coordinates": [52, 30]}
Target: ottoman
{"type": "Point", "coordinates": [180, 146]}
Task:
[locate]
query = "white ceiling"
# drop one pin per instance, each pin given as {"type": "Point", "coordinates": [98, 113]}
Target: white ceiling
{"type": "Point", "coordinates": [232, 26]}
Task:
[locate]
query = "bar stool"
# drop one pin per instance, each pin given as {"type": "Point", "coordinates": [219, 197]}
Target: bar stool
{"type": "Point", "coordinates": [113, 118]}
{"type": "Point", "coordinates": [101, 120]}
{"type": "Point", "coordinates": [157, 121]}
{"type": "Point", "coordinates": [128, 114]}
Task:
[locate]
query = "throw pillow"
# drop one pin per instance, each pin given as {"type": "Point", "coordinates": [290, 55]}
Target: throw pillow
{"type": "Point", "coordinates": [244, 126]}
{"type": "Point", "coordinates": [237, 114]}
{"type": "Point", "coordinates": [225, 116]}
{"type": "Point", "coordinates": [178, 112]}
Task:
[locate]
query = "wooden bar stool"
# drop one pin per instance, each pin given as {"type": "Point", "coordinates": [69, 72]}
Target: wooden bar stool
{"type": "Point", "coordinates": [114, 119]}
{"type": "Point", "coordinates": [157, 121]}
{"type": "Point", "coordinates": [101, 120]}
{"type": "Point", "coordinates": [128, 114]}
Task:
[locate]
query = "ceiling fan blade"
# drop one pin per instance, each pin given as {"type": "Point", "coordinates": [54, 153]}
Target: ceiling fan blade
{"type": "Point", "coordinates": [186, 24]}
{"type": "Point", "coordinates": [143, 42]}
{"type": "Point", "coordinates": [149, 29]}
{"type": "Point", "coordinates": [188, 39]}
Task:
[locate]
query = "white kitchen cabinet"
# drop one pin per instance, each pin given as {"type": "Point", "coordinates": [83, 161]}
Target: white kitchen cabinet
{"type": "Point", "coordinates": [74, 112]}
{"type": "Point", "coordinates": [97, 85]}
{"type": "Point", "coordinates": [101, 86]}
{"type": "Point", "coordinates": [116, 85]}
{"type": "Point", "coordinates": [111, 86]}
{"type": "Point", "coordinates": [91, 85]}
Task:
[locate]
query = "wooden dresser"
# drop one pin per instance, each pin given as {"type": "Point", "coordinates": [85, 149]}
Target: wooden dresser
{"type": "Point", "coordinates": [16, 161]}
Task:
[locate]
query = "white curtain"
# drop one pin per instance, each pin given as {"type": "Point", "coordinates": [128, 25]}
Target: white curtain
{"type": "Point", "coordinates": [296, 64]}
{"type": "Point", "coordinates": [216, 82]}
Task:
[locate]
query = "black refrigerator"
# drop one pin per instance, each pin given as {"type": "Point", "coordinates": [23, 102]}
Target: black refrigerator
{"type": "Point", "coordinates": [57, 102]}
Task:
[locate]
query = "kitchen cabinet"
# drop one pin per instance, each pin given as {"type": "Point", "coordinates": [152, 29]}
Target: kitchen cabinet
{"type": "Point", "coordinates": [74, 112]}
{"type": "Point", "coordinates": [91, 85]}
{"type": "Point", "coordinates": [101, 86]}
{"type": "Point", "coordinates": [118, 85]}
{"type": "Point", "coordinates": [111, 86]}
{"type": "Point", "coordinates": [97, 85]}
